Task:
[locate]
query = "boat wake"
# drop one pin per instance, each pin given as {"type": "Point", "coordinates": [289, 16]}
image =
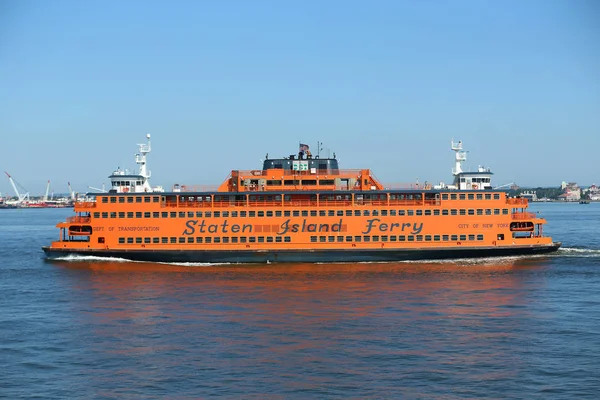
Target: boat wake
{"type": "Point", "coordinates": [578, 252]}
{"type": "Point", "coordinates": [79, 258]}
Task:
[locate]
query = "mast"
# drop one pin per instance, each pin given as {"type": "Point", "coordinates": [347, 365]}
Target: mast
{"type": "Point", "coordinates": [47, 191]}
{"type": "Point", "coordinates": [460, 156]}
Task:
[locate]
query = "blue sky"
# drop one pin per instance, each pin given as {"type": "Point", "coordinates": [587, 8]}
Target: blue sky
{"type": "Point", "coordinates": [384, 84]}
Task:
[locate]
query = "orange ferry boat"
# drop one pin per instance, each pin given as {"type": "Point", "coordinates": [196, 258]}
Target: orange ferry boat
{"type": "Point", "coordinates": [301, 208]}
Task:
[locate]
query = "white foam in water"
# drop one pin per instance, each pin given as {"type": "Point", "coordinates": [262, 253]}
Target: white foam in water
{"type": "Point", "coordinates": [573, 251]}
{"type": "Point", "coordinates": [76, 257]}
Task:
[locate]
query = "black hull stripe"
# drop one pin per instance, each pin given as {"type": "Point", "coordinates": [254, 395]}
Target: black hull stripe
{"type": "Point", "coordinates": [294, 256]}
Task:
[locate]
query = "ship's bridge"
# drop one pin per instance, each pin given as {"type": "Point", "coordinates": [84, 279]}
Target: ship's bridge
{"type": "Point", "coordinates": [322, 165]}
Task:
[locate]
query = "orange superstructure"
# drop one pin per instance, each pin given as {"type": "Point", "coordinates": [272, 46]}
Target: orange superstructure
{"type": "Point", "coordinates": [301, 208]}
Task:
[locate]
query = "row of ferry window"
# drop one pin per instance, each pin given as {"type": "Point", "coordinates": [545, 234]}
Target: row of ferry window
{"type": "Point", "coordinates": [208, 239]}
{"type": "Point", "coordinates": [445, 196]}
{"type": "Point", "coordinates": [313, 239]}
{"type": "Point", "coordinates": [297, 213]}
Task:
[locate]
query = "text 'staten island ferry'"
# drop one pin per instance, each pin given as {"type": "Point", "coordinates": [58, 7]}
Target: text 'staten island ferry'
{"type": "Point", "coordinates": [302, 208]}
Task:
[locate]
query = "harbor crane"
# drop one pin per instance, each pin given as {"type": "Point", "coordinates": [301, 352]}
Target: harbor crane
{"type": "Point", "coordinates": [20, 197]}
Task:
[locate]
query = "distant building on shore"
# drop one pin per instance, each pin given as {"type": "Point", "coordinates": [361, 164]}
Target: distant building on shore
{"type": "Point", "coordinates": [592, 193]}
{"type": "Point", "coordinates": [571, 192]}
{"type": "Point", "coordinates": [530, 195]}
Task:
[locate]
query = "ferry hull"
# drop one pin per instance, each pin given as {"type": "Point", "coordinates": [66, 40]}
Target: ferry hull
{"type": "Point", "coordinates": [313, 256]}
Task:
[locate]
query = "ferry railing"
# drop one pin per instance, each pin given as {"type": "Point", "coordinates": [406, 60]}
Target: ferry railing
{"type": "Point", "coordinates": [523, 215]}
{"type": "Point", "coordinates": [79, 220]}
{"type": "Point", "coordinates": [517, 201]}
{"type": "Point", "coordinates": [85, 204]}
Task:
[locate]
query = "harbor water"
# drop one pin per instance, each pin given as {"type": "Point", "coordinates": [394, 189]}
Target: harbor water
{"type": "Point", "coordinates": [519, 327]}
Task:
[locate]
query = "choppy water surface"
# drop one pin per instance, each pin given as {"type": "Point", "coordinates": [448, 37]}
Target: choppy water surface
{"type": "Point", "coordinates": [493, 328]}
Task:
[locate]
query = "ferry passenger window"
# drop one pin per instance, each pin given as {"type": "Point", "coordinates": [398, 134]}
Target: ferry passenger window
{"type": "Point", "coordinates": [454, 238]}
{"type": "Point", "coordinates": [376, 238]}
{"type": "Point", "coordinates": [147, 214]}
{"type": "Point", "coordinates": [225, 214]}
{"type": "Point", "coordinates": [428, 238]}
{"type": "Point", "coordinates": [340, 213]}
{"type": "Point", "coordinates": [155, 214]}
{"type": "Point", "coordinates": [164, 240]}
{"type": "Point", "coordinates": [496, 196]}
{"type": "Point", "coordinates": [129, 214]}
{"type": "Point", "coordinates": [104, 215]}
{"type": "Point", "coordinates": [138, 240]}
{"type": "Point", "coordinates": [357, 238]}
{"type": "Point", "coordinates": [331, 239]}
{"type": "Point", "coordinates": [113, 215]}
{"type": "Point", "coordinates": [121, 240]}
{"type": "Point", "coordinates": [471, 196]}
{"type": "Point", "coordinates": [479, 237]}
{"type": "Point", "coordinates": [277, 213]}
{"type": "Point", "coordinates": [488, 196]}
{"type": "Point", "coordinates": [130, 240]}
{"type": "Point", "coordinates": [252, 214]}
{"type": "Point", "coordinates": [488, 211]}
{"type": "Point", "coordinates": [208, 240]}
{"type": "Point", "coordinates": [130, 199]}
{"type": "Point", "coordinates": [234, 240]}
{"type": "Point", "coordinates": [269, 239]}
{"type": "Point", "coordinates": [296, 213]}
{"type": "Point", "coordinates": [313, 213]}
{"type": "Point", "coordinates": [471, 237]}
{"type": "Point", "coordinates": [173, 214]}
{"type": "Point", "coordinates": [462, 211]}
{"type": "Point", "coordinates": [313, 239]}
{"type": "Point", "coordinates": [505, 211]}
{"type": "Point", "coordinates": [462, 196]}
{"type": "Point", "coordinates": [366, 238]}
{"type": "Point", "coordinates": [444, 196]}
{"type": "Point", "coordinates": [138, 214]}
{"type": "Point", "coordinates": [285, 213]}
{"type": "Point", "coordinates": [480, 211]}
{"type": "Point", "coordinates": [113, 199]}
{"type": "Point", "coordinates": [190, 240]}
{"type": "Point", "coordinates": [436, 238]}
{"type": "Point", "coordinates": [357, 213]}
{"type": "Point", "coordinates": [104, 199]}
{"type": "Point", "coordinates": [260, 214]}
{"type": "Point", "coordinates": [173, 240]}
{"type": "Point", "coordinates": [471, 211]}
{"type": "Point", "coordinates": [392, 238]}
{"type": "Point", "coordinates": [384, 213]}
{"type": "Point", "coordinates": [392, 213]}
{"type": "Point", "coordinates": [401, 213]}
{"type": "Point", "coordinates": [138, 199]}
{"type": "Point", "coordinates": [278, 239]}
{"type": "Point", "coordinates": [435, 212]}
{"type": "Point", "coordinates": [147, 199]}
{"type": "Point", "coordinates": [444, 212]}
{"type": "Point", "coordinates": [340, 238]}
{"type": "Point", "coordinates": [419, 238]}
{"type": "Point", "coordinates": [155, 240]}
{"type": "Point", "coordinates": [199, 240]}
{"type": "Point", "coordinates": [411, 212]}
{"type": "Point", "coordinates": [463, 237]}
{"type": "Point", "coordinates": [207, 214]}
{"type": "Point", "coordinates": [331, 213]}
{"type": "Point", "coordinates": [366, 213]}
{"type": "Point", "coordinates": [445, 238]}
{"type": "Point", "coordinates": [304, 213]}
{"type": "Point", "coordinates": [234, 214]}
{"type": "Point", "coordinates": [479, 196]}
{"type": "Point", "coordinates": [216, 240]}
{"type": "Point", "coordinates": [269, 214]}
{"type": "Point", "coordinates": [402, 238]}
{"type": "Point", "coordinates": [121, 199]}
{"type": "Point", "coordinates": [155, 199]}
{"type": "Point", "coordinates": [217, 214]}
{"type": "Point", "coordinates": [243, 214]}
{"type": "Point", "coordinates": [348, 238]}
{"type": "Point", "coordinates": [181, 240]}
{"type": "Point", "coordinates": [411, 238]}
{"type": "Point", "coordinates": [147, 240]}
{"type": "Point", "coordinates": [252, 239]}
{"type": "Point", "coordinates": [181, 214]}
{"type": "Point", "coordinates": [384, 238]}
{"type": "Point", "coordinates": [496, 211]}
{"type": "Point", "coordinates": [287, 239]}
{"type": "Point", "coordinates": [375, 213]}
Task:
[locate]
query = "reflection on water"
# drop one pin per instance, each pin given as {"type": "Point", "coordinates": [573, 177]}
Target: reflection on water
{"type": "Point", "coordinates": [351, 329]}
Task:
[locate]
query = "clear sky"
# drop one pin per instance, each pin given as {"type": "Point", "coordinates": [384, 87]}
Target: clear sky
{"type": "Point", "coordinates": [384, 84]}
